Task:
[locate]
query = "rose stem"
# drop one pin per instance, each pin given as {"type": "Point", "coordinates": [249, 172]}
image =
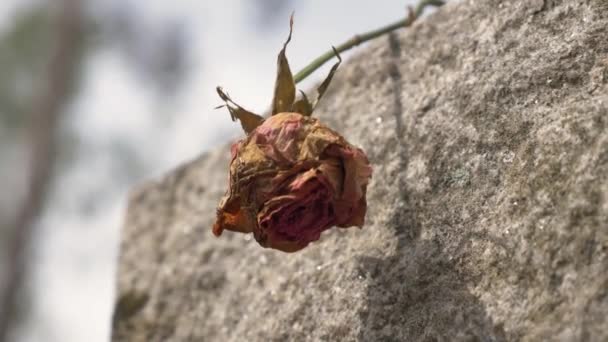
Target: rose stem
{"type": "Point", "coordinates": [361, 38]}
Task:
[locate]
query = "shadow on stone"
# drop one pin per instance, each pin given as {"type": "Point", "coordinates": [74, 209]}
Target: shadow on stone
{"type": "Point", "coordinates": [419, 295]}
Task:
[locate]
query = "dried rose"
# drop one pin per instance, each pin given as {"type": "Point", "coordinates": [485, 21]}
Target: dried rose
{"type": "Point", "coordinates": [292, 177]}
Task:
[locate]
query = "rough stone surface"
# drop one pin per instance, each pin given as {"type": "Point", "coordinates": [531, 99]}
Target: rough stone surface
{"type": "Point", "coordinates": [487, 126]}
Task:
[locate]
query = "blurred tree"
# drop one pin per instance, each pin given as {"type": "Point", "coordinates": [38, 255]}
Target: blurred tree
{"type": "Point", "coordinates": [156, 51]}
{"type": "Point", "coordinates": [24, 52]}
{"type": "Point", "coordinates": [33, 104]}
{"type": "Point", "coordinates": [40, 58]}
{"type": "Point", "coordinates": [266, 14]}
{"type": "Point", "coordinates": [167, 67]}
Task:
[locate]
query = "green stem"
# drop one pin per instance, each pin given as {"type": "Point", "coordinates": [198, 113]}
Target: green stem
{"type": "Point", "coordinates": [361, 38]}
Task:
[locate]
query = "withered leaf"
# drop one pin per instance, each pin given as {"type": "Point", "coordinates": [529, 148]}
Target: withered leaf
{"type": "Point", "coordinates": [285, 87]}
{"type": "Point", "coordinates": [302, 106]}
{"type": "Point", "coordinates": [323, 87]}
{"type": "Point", "coordinates": [249, 121]}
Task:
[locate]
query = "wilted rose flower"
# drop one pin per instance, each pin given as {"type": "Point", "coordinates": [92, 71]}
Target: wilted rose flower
{"type": "Point", "coordinates": [292, 177]}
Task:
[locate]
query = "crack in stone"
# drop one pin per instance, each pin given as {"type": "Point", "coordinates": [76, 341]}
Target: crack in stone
{"type": "Point", "coordinates": [396, 77]}
{"type": "Point", "coordinates": [410, 231]}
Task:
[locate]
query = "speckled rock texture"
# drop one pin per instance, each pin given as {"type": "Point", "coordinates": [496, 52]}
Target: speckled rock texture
{"type": "Point", "coordinates": [487, 127]}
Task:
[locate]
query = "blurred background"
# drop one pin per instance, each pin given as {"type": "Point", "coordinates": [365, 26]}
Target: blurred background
{"type": "Point", "coordinates": [99, 95]}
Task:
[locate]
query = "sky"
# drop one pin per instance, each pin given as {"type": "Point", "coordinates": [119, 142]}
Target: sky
{"type": "Point", "coordinates": [229, 44]}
